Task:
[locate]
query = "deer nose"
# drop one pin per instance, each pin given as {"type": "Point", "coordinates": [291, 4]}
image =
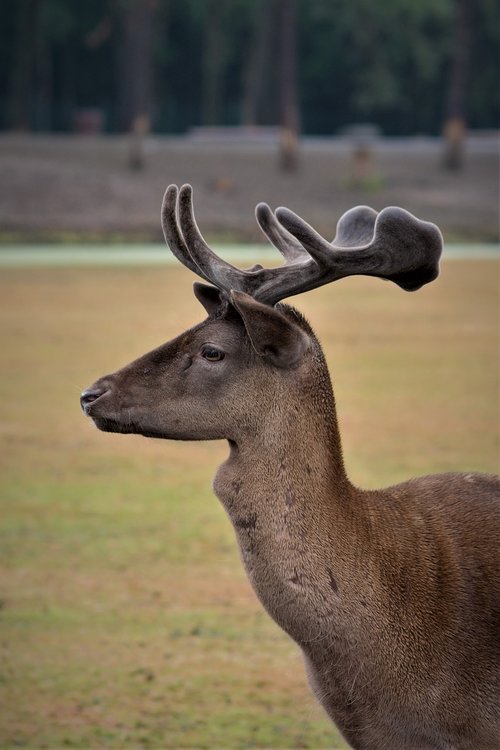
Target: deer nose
{"type": "Point", "coordinates": [89, 396]}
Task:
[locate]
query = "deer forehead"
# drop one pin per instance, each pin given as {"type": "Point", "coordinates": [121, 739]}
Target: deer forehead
{"type": "Point", "coordinates": [227, 335]}
{"type": "Point", "coordinates": [223, 334]}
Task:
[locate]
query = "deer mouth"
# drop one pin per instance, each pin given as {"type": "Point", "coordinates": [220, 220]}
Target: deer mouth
{"type": "Point", "coordinates": [92, 405]}
{"type": "Point", "coordinates": [105, 424]}
{"type": "Point", "coordinates": [124, 426]}
{"type": "Point", "coordinates": [95, 405]}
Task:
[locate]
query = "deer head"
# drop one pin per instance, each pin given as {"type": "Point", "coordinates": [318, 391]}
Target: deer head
{"type": "Point", "coordinates": [209, 382]}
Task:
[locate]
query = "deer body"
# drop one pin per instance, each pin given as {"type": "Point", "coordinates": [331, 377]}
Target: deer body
{"type": "Point", "coordinates": [375, 587]}
{"type": "Point", "coordinates": [392, 595]}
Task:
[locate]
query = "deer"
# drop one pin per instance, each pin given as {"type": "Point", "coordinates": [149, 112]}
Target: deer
{"type": "Point", "coordinates": [393, 595]}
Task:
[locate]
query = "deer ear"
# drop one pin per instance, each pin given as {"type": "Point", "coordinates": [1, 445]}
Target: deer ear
{"type": "Point", "coordinates": [273, 336]}
{"type": "Point", "coordinates": [209, 296]}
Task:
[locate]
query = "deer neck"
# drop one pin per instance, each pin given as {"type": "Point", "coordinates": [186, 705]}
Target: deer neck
{"type": "Point", "coordinates": [288, 497]}
{"type": "Point", "coordinates": [295, 447]}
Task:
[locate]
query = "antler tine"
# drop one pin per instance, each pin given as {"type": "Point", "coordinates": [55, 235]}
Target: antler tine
{"type": "Point", "coordinates": [173, 236]}
{"type": "Point", "coordinates": [289, 247]}
{"type": "Point", "coordinates": [355, 227]}
{"type": "Point", "coordinates": [316, 245]}
{"type": "Point", "coordinates": [220, 273]}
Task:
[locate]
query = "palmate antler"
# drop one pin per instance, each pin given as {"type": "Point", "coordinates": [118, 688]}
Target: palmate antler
{"type": "Point", "coordinates": [392, 244]}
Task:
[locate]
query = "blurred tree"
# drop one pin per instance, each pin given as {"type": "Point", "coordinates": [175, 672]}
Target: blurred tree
{"type": "Point", "coordinates": [225, 28]}
{"type": "Point", "coordinates": [373, 62]}
{"type": "Point", "coordinates": [135, 79]}
{"type": "Point", "coordinates": [483, 102]}
{"type": "Point", "coordinates": [455, 120]}
{"type": "Point", "coordinates": [178, 67]}
{"type": "Point", "coordinates": [23, 68]}
{"type": "Point", "coordinates": [258, 61]}
{"type": "Point", "coordinates": [220, 61]}
{"type": "Point", "coordinates": [215, 49]}
{"type": "Point", "coordinates": [135, 67]}
{"type": "Point", "coordinates": [289, 109]}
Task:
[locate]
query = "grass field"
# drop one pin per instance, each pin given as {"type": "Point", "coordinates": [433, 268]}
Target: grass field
{"type": "Point", "coordinates": [126, 619]}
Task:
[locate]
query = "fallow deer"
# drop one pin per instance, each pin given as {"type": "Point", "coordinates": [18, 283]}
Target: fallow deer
{"type": "Point", "coordinates": [393, 595]}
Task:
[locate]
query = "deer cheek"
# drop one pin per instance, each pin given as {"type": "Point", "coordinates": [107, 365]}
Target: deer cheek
{"type": "Point", "coordinates": [186, 362]}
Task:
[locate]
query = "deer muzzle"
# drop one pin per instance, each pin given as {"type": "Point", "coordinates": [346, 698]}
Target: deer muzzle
{"type": "Point", "coordinates": [89, 396]}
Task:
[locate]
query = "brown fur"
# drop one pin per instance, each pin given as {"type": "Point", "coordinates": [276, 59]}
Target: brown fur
{"type": "Point", "coordinates": [392, 595]}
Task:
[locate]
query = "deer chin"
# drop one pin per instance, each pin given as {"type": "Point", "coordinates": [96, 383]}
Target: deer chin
{"type": "Point", "coordinates": [125, 426]}
{"type": "Point", "coordinates": [106, 424]}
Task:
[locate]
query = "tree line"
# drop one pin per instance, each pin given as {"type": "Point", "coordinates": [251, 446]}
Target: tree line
{"type": "Point", "coordinates": [311, 65]}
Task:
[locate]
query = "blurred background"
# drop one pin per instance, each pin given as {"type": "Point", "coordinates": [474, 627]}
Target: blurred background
{"type": "Point", "coordinates": [126, 620]}
{"type": "Point", "coordinates": [320, 104]}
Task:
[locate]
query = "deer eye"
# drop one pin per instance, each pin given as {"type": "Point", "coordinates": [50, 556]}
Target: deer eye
{"type": "Point", "coordinates": [212, 353]}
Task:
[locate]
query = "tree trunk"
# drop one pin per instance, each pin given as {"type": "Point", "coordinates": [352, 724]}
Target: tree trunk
{"type": "Point", "coordinates": [214, 59]}
{"type": "Point", "coordinates": [455, 123]}
{"type": "Point", "coordinates": [22, 79]}
{"type": "Point", "coordinates": [289, 115]}
{"type": "Point", "coordinates": [257, 71]}
{"type": "Point", "coordinates": [136, 74]}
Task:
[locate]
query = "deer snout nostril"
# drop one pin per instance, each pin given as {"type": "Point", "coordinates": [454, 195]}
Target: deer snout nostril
{"type": "Point", "coordinates": [88, 397]}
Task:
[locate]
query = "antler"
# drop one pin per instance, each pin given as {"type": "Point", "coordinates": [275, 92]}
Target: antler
{"type": "Point", "coordinates": [392, 244]}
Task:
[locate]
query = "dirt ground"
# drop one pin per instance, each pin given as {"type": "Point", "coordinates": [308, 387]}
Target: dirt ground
{"type": "Point", "coordinates": [68, 188]}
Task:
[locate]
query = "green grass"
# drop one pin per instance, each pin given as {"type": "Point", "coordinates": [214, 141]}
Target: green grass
{"type": "Point", "coordinates": [126, 620]}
